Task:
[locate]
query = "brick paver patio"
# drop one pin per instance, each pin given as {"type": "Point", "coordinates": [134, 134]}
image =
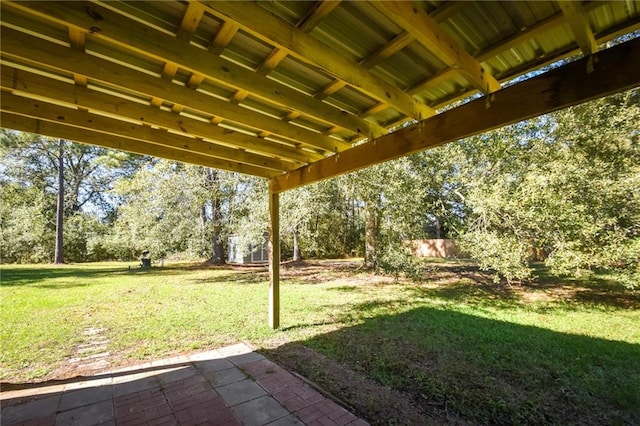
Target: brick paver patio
{"type": "Point", "coordinates": [227, 386]}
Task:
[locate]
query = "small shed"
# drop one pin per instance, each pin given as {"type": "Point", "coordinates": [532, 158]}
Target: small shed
{"type": "Point", "coordinates": [256, 253]}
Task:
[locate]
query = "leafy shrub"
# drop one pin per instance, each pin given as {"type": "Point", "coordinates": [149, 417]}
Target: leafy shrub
{"type": "Point", "coordinates": [504, 254]}
{"type": "Point", "coordinates": [394, 259]}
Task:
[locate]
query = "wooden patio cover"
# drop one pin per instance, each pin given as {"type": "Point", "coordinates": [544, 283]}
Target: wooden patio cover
{"type": "Point", "coordinates": [300, 91]}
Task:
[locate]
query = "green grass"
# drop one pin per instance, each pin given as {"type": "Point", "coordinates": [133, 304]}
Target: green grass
{"type": "Point", "coordinates": [554, 352]}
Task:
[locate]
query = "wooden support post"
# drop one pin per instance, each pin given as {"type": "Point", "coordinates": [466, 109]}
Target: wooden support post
{"type": "Point", "coordinates": [274, 260]}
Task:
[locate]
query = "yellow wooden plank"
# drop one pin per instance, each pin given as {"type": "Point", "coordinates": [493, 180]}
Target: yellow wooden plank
{"type": "Point", "coordinates": [89, 137]}
{"type": "Point", "coordinates": [190, 20]}
{"type": "Point", "coordinates": [195, 80]}
{"type": "Point", "coordinates": [392, 47]}
{"type": "Point", "coordinates": [34, 85]}
{"type": "Point", "coordinates": [77, 39]}
{"type": "Point", "coordinates": [169, 71]}
{"type": "Point", "coordinates": [523, 36]}
{"type": "Point", "coordinates": [271, 62]}
{"type": "Point", "coordinates": [545, 26]}
{"type": "Point", "coordinates": [447, 10]}
{"type": "Point", "coordinates": [257, 21]}
{"type": "Point", "coordinates": [398, 43]}
{"type": "Point", "coordinates": [320, 10]}
{"type": "Point", "coordinates": [82, 119]}
{"type": "Point", "coordinates": [274, 260]}
{"type": "Point", "coordinates": [223, 37]}
{"type": "Point", "coordinates": [26, 47]}
{"type": "Point", "coordinates": [614, 70]}
{"type": "Point", "coordinates": [432, 81]}
{"type": "Point", "coordinates": [580, 27]}
{"type": "Point", "coordinates": [330, 89]}
{"type": "Point", "coordinates": [426, 31]}
{"type": "Point", "coordinates": [165, 48]}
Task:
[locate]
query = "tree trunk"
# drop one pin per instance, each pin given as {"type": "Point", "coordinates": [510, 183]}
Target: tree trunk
{"type": "Point", "coordinates": [217, 255]}
{"type": "Point", "coordinates": [297, 254]}
{"type": "Point", "coordinates": [59, 250]}
{"type": "Point", "coordinates": [370, 235]}
{"type": "Point", "coordinates": [203, 229]}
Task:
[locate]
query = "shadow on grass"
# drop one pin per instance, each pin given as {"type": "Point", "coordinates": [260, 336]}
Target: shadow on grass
{"type": "Point", "coordinates": [483, 370]}
{"type": "Point", "coordinates": [30, 276]}
{"type": "Point", "coordinates": [466, 283]}
{"type": "Point", "coordinates": [42, 275]}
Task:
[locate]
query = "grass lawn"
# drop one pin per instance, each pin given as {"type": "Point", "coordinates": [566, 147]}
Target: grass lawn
{"type": "Point", "coordinates": [451, 347]}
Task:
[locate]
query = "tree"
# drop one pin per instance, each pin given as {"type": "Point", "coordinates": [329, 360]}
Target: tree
{"type": "Point", "coordinates": [32, 164]}
{"type": "Point", "coordinates": [564, 186]}
{"type": "Point", "coordinates": [59, 250]}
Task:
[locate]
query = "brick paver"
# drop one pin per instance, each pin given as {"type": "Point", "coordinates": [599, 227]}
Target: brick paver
{"type": "Point", "coordinates": [229, 386]}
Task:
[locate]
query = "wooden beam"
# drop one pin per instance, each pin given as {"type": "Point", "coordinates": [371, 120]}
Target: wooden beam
{"type": "Point", "coordinates": [164, 48]}
{"type": "Point", "coordinates": [427, 32]}
{"type": "Point", "coordinates": [34, 85]}
{"type": "Point", "coordinates": [395, 45]}
{"type": "Point", "coordinates": [274, 260]}
{"type": "Point", "coordinates": [541, 27]}
{"type": "Point", "coordinates": [223, 37]}
{"type": "Point", "coordinates": [315, 14]}
{"type": "Point", "coordinates": [78, 41]}
{"type": "Point", "coordinates": [26, 47]}
{"type": "Point", "coordinates": [190, 20]}
{"type": "Point", "coordinates": [519, 38]}
{"type": "Point", "coordinates": [320, 10]}
{"type": "Point", "coordinates": [56, 130]}
{"type": "Point", "coordinates": [580, 27]}
{"type": "Point", "coordinates": [613, 70]}
{"type": "Point", "coordinates": [83, 119]}
{"type": "Point", "coordinates": [447, 10]}
{"type": "Point", "coordinates": [269, 28]}
{"type": "Point", "coordinates": [277, 55]}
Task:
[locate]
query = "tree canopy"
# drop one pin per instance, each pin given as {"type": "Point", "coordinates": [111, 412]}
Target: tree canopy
{"type": "Point", "coordinates": [563, 188]}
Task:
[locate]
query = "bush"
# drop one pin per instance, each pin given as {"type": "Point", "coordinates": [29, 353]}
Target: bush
{"type": "Point", "coordinates": [505, 255]}
{"type": "Point", "coordinates": [394, 259]}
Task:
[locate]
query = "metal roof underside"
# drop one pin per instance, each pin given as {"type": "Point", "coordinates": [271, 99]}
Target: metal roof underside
{"type": "Point", "coordinates": [268, 88]}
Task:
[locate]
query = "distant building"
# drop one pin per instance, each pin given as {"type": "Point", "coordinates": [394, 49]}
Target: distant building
{"type": "Point", "coordinates": [258, 253]}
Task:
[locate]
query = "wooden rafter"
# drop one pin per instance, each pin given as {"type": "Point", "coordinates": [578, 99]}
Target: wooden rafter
{"type": "Point", "coordinates": [398, 43]}
{"type": "Point", "coordinates": [259, 22]}
{"type": "Point", "coordinates": [315, 14]}
{"type": "Point", "coordinates": [141, 64]}
{"type": "Point", "coordinates": [427, 31]}
{"type": "Point", "coordinates": [403, 39]}
{"type": "Point", "coordinates": [34, 86]}
{"type": "Point", "coordinates": [171, 50]}
{"type": "Point", "coordinates": [32, 49]}
{"type": "Point", "coordinates": [223, 37]}
{"type": "Point", "coordinates": [580, 27]}
{"type": "Point", "coordinates": [57, 130]}
{"type": "Point", "coordinates": [190, 20]}
{"type": "Point", "coordinates": [78, 41]}
{"type": "Point", "coordinates": [306, 23]}
{"type": "Point", "coordinates": [73, 117]}
{"type": "Point", "coordinates": [614, 70]}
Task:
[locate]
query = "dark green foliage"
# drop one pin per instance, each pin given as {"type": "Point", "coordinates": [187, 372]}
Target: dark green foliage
{"type": "Point", "coordinates": [563, 188]}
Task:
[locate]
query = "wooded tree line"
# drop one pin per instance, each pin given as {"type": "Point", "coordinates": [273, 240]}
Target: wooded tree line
{"type": "Point", "coordinates": [563, 188]}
